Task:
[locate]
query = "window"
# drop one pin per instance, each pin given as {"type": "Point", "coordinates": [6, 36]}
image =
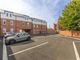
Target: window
{"type": "Point", "coordinates": [7, 14]}
{"type": "Point", "coordinates": [11, 22]}
{"type": "Point", "coordinates": [23, 23]}
{"type": "Point", "coordinates": [37, 26]}
{"type": "Point", "coordinates": [34, 26]}
{"type": "Point", "coordinates": [4, 21]}
{"type": "Point", "coordinates": [24, 34]}
{"type": "Point", "coordinates": [4, 30]}
{"type": "Point", "coordinates": [12, 30]}
{"type": "Point", "coordinates": [27, 23]}
{"type": "Point", "coordinates": [10, 15]}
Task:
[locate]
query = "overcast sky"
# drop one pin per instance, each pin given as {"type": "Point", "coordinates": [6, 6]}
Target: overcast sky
{"type": "Point", "coordinates": [48, 10]}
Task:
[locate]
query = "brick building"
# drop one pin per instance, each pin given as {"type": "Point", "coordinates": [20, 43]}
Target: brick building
{"type": "Point", "coordinates": [15, 22]}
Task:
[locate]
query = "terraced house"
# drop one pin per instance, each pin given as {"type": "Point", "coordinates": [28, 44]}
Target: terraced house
{"type": "Point", "coordinates": [15, 22]}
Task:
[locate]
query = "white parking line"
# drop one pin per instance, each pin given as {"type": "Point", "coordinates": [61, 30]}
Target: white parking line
{"type": "Point", "coordinates": [28, 49]}
{"type": "Point", "coordinates": [76, 52]}
{"type": "Point", "coordinates": [5, 57]}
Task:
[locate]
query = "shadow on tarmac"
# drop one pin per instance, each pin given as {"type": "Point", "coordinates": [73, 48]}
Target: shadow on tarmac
{"type": "Point", "coordinates": [22, 42]}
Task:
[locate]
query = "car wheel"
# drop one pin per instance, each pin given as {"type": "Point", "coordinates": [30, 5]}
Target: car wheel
{"type": "Point", "coordinates": [12, 41]}
{"type": "Point", "coordinates": [29, 38]}
{"type": "Point", "coordinates": [7, 43]}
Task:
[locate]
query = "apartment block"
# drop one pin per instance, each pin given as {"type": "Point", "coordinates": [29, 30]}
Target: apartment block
{"type": "Point", "coordinates": [39, 26]}
{"type": "Point", "coordinates": [15, 22]}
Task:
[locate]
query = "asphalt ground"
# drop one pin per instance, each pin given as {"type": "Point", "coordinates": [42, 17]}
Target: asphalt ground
{"type": "Point", "coordinates": [78, 46]}
{"type": "Point", "coordinates": [1, 49]}
{"type": "Point", "coordinates": [57, 48]}
{"type": "Point", "coordinates": [49, 47]}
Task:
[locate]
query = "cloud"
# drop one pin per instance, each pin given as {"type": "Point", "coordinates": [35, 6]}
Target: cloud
{"type": "Point", "coordinates": [12, 5]}
{"type": "Point", "coordinates": [48, 10]}
{"type": "Point", "coordinates": [43, 9]}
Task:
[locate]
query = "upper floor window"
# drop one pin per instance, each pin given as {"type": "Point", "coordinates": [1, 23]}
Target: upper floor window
{"type": "Point", "coordinates": [4, 21]}
{"type": "Point", "coordinates": [7, 14]}
{"type": "Point", "coordinates": [10, 15]}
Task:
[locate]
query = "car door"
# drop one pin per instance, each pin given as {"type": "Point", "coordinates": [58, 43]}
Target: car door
{"type": "Point", "coordinates": [24, 37]}
{"type": "Point", "coordinates": [19, 37]}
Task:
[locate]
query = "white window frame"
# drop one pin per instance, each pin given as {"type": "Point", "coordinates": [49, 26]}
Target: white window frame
{"type": "Point", "coordinates": [4, 21]}
{"type": "Point", "coordinates": [7, 14]}
{"type": "Point", "coordinates": [27, 23]}
{"type": "Point", "coordinates": [10, 15]}
{"type": "Point", "coordinates": [4, 30]}
{"type": "Point", "coordinates": [11, 30]}
{"type": "Point", "coordinates": [34, 26]}
{"type": "Point", "coordinates": [37, 26]}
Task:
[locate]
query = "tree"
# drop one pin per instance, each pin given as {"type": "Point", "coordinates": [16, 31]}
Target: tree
{"type": "Point", "coordinates": [70, 18]}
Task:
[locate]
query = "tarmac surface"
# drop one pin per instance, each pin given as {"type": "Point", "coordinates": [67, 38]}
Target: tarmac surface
{"type": "Point", "coordinates": [50, 47]}
{"type": "Point", "coordinates": [1, 49]}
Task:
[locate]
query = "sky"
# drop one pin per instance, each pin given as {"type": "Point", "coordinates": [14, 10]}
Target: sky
{"type": "Point", "coordinates": [48, 10]}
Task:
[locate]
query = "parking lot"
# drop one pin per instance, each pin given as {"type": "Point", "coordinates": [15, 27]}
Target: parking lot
{"type": "Point", "coordinates": [50, 47]}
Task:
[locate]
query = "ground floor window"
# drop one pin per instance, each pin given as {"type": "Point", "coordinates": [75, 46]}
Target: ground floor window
{"type": "Point", "coordinates": [4, 30]}
{"type": "Point", "coordinates": [12, 30]}
{"type": "Point", "coordinates": [11, 21]}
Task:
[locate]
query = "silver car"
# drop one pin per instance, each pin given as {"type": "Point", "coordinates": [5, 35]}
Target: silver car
{"type": "Point", "coordinates": [7, 34]}
{"type": "Point", "coordinates": [17, 37]}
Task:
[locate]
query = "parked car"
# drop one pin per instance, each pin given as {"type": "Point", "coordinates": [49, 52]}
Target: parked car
{"type": "Point", "coordinates": [7, 34]}
{"type": "Point", "coordinates": [11, 39]}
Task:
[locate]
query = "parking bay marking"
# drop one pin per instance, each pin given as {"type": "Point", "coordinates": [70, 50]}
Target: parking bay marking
{"type": "Point", "coordinates": [76, 52]}
{"type": "Point", "coordinates": [29, 49]}
{"type": "Point", "coordinates": [5, 57]}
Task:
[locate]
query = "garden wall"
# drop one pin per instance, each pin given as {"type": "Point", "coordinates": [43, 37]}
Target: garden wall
{"type": "Point", "coordinates": [70, 33]}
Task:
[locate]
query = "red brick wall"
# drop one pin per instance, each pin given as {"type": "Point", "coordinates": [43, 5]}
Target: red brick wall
{"type": "Point", "coordinates": [7, 25]}
{"type": "Point", "coordinates": [76, 33]}
{"type": "Point", "coordinates": [36, 28]}
{"type": "Point", "coordinates": [70, 33]}
{"type": "Point", "coordinates": [20, 25]}
{"type": "Point", "coordinates": [66, 33]}
{"type": "Point", "coordinates": [44, 28]}
{"type": "Point", "coordinates": [39, 29]}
